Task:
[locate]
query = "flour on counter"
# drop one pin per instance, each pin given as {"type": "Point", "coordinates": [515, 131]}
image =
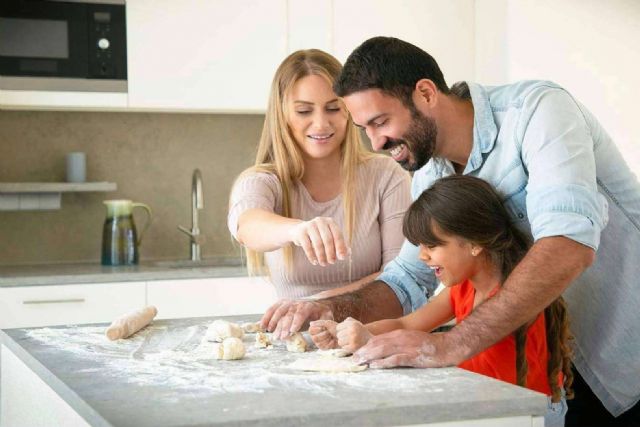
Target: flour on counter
{"type": "Point", "coordinates": [180, 357]}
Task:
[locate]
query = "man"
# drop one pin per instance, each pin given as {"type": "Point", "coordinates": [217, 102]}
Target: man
{"type": "Point", "coordinates": [562, 180]}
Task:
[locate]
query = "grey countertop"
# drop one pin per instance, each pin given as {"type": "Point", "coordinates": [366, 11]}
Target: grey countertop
{"type": "Point", "coordinates": [165, 376]}
{"type": "Point", "coordinates": [56, 274]}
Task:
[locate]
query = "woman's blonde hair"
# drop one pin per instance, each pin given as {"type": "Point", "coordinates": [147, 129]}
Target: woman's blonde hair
{"type": "Point", "coordinates": [279, 154]}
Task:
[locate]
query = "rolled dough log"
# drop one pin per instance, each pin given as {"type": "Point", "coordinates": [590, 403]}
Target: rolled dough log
{"type": "Point", "coordinates": [230, 349]}
{"type": "Point", "coordinates": [345, 364]}
{"type": "Point", "coordinates": [131, 323]}
{"type": "Point", "coordinates": [221, 329]}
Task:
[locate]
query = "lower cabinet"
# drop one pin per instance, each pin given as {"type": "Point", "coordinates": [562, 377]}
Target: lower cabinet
{"type": "Point", "coordinates": [30, 306]}
{"type": "Point", "coordinates": [210, 297]}
{"type": "Point", "coordinates": [33, 306]}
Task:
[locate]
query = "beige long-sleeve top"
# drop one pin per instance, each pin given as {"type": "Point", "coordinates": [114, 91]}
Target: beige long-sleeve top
{"type": "Point", "coordinates": [381, 199]}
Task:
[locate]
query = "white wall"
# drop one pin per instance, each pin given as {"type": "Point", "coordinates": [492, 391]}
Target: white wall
{"type": "Point", "coordinates": [588, 46]}
{"type": "Point", "coordinates": [445, 29]}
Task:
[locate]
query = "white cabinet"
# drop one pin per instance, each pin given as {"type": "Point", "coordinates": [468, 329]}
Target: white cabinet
{"type": "Point", "coordinates": [68, 304]}
{"type": "Point", "coordinates": [204, 55]}
{"type": "Point", "coordinates": [210, 297]}
{"type": "Point", "coordinates": [52, 100]}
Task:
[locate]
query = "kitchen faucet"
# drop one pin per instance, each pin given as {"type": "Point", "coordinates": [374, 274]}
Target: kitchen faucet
{"type": "Point", "coordinates": [197, 202]}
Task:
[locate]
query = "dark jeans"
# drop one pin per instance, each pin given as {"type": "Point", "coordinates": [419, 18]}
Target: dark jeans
{"type": "Point", "coordinates": [586, 410]}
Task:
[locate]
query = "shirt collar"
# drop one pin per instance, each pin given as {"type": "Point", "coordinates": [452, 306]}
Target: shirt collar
{"type": "Point", "coordinates": [485, 130]}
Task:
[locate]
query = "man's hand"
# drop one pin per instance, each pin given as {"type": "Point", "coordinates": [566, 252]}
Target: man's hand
{"type": "Point", "coordinates": [403, 347]}
{"type": "Point", "coordinates": [352, 334]}
{"type": "Point", "coordinates": [288, 316]}
{"type": "Point", "coordinates": [323, 333]}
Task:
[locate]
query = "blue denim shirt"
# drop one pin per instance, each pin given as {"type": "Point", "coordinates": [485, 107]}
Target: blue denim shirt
{"type": "Point", "coordinates": [559, 174]}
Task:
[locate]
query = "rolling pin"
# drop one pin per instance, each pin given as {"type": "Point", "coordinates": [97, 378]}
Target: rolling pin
{"type": "Point", "coordinates": [131, 323]}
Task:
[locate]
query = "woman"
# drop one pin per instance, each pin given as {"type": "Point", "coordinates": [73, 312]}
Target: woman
{"type": "Point", "coordinates": [317, 209]}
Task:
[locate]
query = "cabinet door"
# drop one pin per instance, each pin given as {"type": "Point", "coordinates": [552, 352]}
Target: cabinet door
{"type": "Point", "coordinates": [210, 297]}
{"type": "Point", "coordinates": [204, 55]}
{"type": "Point", "coordinates": [445, 29]}
{"type": "Point", "coordinates": [28, 306]}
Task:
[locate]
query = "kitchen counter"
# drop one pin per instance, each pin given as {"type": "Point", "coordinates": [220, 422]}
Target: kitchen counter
{"type": "Point", "coordinates": [165, 376]}
{"type": "Point", "coordinates": [55, 274]}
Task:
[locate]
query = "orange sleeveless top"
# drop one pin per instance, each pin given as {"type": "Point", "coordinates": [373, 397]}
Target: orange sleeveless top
{"type": "Point", "coordinates": [499, 360]}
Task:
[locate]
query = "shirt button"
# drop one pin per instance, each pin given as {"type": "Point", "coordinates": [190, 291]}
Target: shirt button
{"type": "Point", "coordinates": [520, 215]}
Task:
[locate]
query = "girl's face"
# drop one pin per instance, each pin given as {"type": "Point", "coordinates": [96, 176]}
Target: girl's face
{"type": "Point", "coordinates": [317, 119]}
{"type": "Point", "coordinates": [453, 261]}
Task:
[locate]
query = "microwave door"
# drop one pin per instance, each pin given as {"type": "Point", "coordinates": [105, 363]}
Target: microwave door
{"type": "Point", "coordinates": [44, 39]}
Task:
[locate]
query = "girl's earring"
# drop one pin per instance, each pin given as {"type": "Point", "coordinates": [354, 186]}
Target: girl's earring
{"type": "Point", "coordinates": [474, 252]}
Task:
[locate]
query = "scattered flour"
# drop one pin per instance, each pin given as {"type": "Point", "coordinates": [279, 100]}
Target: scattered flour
{"type": "Point", "coordinates": [180, 357]}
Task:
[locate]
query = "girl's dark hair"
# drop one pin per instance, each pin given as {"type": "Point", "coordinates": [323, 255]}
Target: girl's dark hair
{"type": "Point", "coordinates": [468, 207]}
{"type": "Point", "coordinates": [391, 65]}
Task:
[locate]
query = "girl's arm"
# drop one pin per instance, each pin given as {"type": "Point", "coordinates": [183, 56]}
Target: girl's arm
{"type": "Point", "coordinates": [351, 334]}
{"type": "Point", "coordinates": [428, 317]}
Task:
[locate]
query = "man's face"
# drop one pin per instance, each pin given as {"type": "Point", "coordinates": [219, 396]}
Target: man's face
{"type": "Point", "coordinates": [409, 135]}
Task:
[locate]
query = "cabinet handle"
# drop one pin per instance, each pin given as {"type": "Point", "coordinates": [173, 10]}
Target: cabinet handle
{"type": "Point", "coordinates": [53, 301]}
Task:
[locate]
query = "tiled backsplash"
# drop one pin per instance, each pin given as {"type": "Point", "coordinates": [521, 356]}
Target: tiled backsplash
{"type": "Point", "coordinates": [151, 158]}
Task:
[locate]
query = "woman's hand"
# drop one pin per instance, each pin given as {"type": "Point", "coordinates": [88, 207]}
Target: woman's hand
{"type": "Point", "coordinates": [352, 334]}
{"type": "Point", "coordinates": [323, 334]}
{"type": "Point", "coordinates": [321, 240]}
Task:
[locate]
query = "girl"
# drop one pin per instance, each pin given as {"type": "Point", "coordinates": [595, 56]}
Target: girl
{"type": "Point", "coordinates": [294, 211]}
{"type": "Point", "coordinates": [465, 237]}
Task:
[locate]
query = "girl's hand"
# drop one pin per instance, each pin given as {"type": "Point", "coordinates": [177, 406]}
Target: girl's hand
{"type": "Point", "coordinates": [323, 334]}
{"type": "Point", "coordinates": [352, 334]}
{"type": "Point", "coordinates": [321, 240]}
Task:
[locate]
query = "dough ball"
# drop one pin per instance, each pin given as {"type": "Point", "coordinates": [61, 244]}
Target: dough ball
{"type": "Point", "coordinates": [221, 329]}
{"type": "Point", "coordinates": [251, 327]}
{"type": "Point", "coordinates": [263, 340]}
{"type": "Point", "coordinates": [296, 343]}
{"type": "Point", "coordinates": [230, 349]}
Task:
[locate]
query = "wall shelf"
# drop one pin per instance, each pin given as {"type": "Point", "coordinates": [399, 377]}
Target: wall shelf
{"type": "Point", "coordinates": [30, 196]}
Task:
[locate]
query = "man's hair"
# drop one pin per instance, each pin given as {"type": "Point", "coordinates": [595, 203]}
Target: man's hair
{"type": "Point", "coordinates": [391, 65]}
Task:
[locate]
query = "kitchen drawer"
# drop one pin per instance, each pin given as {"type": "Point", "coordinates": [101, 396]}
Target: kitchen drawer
{"type": "Point", "coordinates": [68, 304]}
{"type": "Point", "coordinates": [210, 297]}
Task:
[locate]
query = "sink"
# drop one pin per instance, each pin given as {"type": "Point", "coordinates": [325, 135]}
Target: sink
{"type": "Point", "coordinates": [209, 262]}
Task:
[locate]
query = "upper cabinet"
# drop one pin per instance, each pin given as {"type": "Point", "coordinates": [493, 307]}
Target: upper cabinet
{"type": "Point", "coordinates": [220, 55]}
{"type": "Point", "coordinates": [204, 55]}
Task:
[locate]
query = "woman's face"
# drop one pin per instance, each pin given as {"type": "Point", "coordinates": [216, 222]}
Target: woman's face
{"type": "Point", "coordinates": [317, 119]}
{"type": "Point", "coordinates": [452, 261]}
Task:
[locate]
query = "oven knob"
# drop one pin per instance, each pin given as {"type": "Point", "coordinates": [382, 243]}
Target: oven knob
{"type": "Point", "coordinates": [103, 44]}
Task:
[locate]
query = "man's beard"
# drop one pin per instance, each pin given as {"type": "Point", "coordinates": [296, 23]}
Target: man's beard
{"type": "Point", "coordinates": [420, 140]}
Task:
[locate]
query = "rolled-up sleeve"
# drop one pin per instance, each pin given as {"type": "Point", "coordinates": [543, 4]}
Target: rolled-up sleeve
{"type": "Point", "coordinates": [558, 152]}
{"type": "Point", "coordinates": [411, 280]}
{"type": "Point", "coordinates": [253, 191]}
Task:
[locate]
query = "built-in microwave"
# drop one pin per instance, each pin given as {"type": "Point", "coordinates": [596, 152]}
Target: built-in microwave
{"type": "Point", "coordinates": [63, 45]}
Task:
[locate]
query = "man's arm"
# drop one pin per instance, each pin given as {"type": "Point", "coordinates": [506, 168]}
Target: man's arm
{"type": "Point", "coordinates": [546, 271]}
{"type": "Point", "coordinates": [371, 302]}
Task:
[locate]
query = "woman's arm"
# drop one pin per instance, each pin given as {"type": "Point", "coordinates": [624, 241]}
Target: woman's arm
{"type": "Point", "coordinates": [264, 231]}
{"type": "Point", "coordinates": [320, 237]}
